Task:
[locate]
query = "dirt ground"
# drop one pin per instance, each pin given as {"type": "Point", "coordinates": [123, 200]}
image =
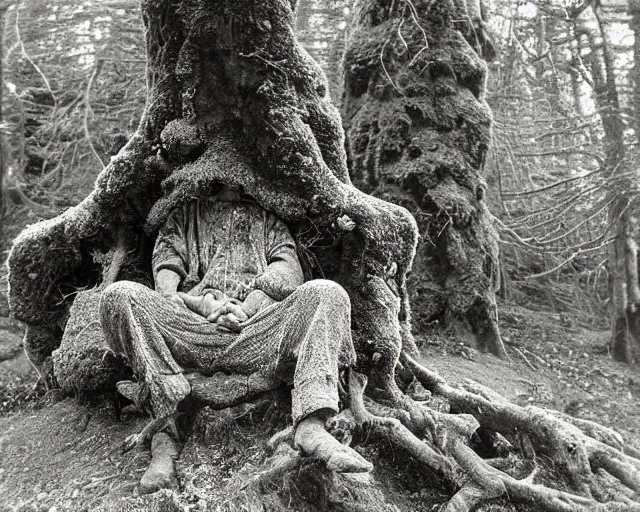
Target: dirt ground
{"type": "Point", "coordinates": [63, 454]}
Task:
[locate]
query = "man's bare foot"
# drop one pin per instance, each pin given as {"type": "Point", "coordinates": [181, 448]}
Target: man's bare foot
{"type": "Point", "coordinates": [146, 436]}
{"type": "Point", "coordinates": [313, 439]}
{"type": "Point", "coordinates": [161, 473]}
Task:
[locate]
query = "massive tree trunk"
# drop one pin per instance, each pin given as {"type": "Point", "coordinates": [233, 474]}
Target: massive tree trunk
{"type": "Point", "coordinates": [418, 131]}
{"type": "Point", "coordinates": [232, 98]}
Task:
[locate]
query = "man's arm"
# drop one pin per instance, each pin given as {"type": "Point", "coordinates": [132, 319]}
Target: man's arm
{"type": "Point", "coordinates": [170, 256]}
{"type": "Point", "coordinates": [167, 282]}
{"type": "Point", "coordinates": [283, 273]}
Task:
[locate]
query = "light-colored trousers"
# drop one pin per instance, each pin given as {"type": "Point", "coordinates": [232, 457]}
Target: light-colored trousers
{"type": "Point", "coordinates": [305, 339]}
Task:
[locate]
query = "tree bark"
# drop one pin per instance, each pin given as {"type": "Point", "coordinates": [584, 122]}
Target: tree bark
{"type": "Point", "coordinates": [634, 25]}
{"type": "Point", "coordinates": [3, 149]}
{"type": "Point", "coordinates": [418, 131]}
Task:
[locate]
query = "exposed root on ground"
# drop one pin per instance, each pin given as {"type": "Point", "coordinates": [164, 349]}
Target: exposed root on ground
{"type": "Point", "coordinates": [576, 449]}
{"type": "Point", "coordinates": [221, 391]}
{"type": "Point", "coordinates": [146, 435]}
{"type": "Point", "coordinates": [571, 454]}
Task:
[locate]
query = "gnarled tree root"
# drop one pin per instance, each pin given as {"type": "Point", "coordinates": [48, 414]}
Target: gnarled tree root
{"type": "Point", "coordinates": [577, 453]}
{"type": "Point", "coordinates": [221, 391]}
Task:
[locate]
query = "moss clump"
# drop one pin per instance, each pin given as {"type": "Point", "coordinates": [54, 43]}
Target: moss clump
{"type": "Point", "coordinates": [84, 362]}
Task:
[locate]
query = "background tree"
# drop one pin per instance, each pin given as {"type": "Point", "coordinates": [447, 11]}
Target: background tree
{"type": "Point", "coordinates": [320, 27]}
{"type": "Point", "coordinates": [565, 170]}
{"type": "Point", "coordinates": [73, 94]}
{"type": "Point", "coordinates": [3, 150]}
{"type": "Point", "coordinates": [418, 132]}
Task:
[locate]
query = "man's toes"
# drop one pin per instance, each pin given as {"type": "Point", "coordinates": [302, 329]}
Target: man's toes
{"type": "Point", "coordinates": [130, 442]}
{"type": "Point", "coordinates": [161, 473]}
{"type": "Point", "coordinates": [348, 461]}
{"type": "Point", "coordinates": [155, 479]}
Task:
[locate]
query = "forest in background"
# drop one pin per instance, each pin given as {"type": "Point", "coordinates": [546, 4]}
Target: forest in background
{"type": "Point", "coordinates": [563, 87]}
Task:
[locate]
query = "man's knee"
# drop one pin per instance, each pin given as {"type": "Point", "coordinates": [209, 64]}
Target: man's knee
{"type": "Point", "coordinates": [119, 294]}
{"type": "Point", "coordinates": [326, 291]}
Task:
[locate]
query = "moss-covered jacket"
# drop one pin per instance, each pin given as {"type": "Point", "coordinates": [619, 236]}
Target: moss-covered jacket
{"type": "Point", "coordinates": [232, 246]}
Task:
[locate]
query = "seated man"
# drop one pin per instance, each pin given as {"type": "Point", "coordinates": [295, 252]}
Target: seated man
{"type": "Point", "coordinates": [230, 296]}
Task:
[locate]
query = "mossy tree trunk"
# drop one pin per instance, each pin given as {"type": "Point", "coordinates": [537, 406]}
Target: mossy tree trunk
{"type": "Point", "coordinates": [418, 131]}
{"type": "Point", "coordinates": [233, 99]}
